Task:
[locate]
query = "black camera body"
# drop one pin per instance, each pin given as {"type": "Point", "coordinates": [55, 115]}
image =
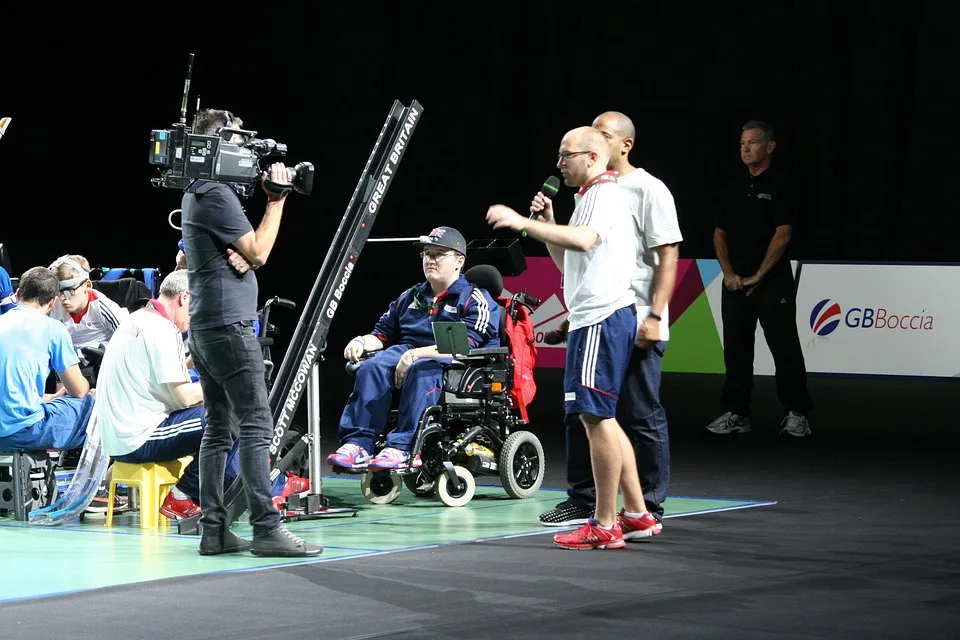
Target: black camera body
{"type": "Point", "coordinates": [189, 160]}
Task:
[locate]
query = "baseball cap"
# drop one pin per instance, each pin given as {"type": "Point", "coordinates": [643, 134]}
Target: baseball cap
{"type": "Point", "coordinates": [445, 237]}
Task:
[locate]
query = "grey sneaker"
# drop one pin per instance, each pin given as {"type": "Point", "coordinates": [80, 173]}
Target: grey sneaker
{"type": "Point", "coordinates": [795, 425]}
{"type": "Point", "coordinates": [729, 423]}
{"type": "Point", "coordinates": [227, 542]}
{"type": "Point", "coordinates": [282, 543]}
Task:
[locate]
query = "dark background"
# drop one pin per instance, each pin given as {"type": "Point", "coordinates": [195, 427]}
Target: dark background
{"type": "Point", "coordinates": [863, 97]}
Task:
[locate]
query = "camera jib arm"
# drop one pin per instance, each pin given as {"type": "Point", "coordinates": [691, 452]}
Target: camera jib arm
{"type": "Point", "coordinates": [299, 371]}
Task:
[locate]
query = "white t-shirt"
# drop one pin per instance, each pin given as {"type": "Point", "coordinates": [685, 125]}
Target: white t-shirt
{"type": "Point", "coordinates": [96, 325]}
{"type": "Point", "coordinates": [143, 356]}
{"type": "Point", "coordinates": [597, 282]}
{"type": "Point", "coordinates": [655, 217]}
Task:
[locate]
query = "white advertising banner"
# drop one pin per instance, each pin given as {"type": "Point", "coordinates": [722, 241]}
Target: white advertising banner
{"type": "Point", "coordinates": [880, 319]}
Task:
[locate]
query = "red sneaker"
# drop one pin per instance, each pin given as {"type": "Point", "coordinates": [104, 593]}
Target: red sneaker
{"type": "Point", "coordinates": [591, 536]}
{"type": "Point", "coordinates": [295, 484]}
{"type": "Point", "coordinates": [636, 528]}
{"type": "Point", "coordinates": [178, 509]}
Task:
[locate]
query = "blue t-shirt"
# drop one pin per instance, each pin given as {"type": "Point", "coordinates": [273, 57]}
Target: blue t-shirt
{"type": "Point", "coordinates": [212, 222]}
{"type": "Point", "coordinates": [7, 299]}
{"type": "Point", "coordinates": [30, 342]}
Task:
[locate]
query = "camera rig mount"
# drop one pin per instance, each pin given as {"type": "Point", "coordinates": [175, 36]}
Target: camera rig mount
{"type": "Point", "coordinates": [188, 160]}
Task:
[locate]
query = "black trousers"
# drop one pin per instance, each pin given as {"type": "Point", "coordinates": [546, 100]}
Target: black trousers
{"type": "Point", "coordinates": [230, 363]}
{"type": "Point", "coordinates": [774, 304]}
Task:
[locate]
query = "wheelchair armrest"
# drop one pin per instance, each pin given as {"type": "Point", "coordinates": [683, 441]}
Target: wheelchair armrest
{"type": "Point", "coordinates": [489, 351]}
{"type": "Point", "coordinates": [351, 367]}
{"type": "Point", "coordinates": [265, 342]}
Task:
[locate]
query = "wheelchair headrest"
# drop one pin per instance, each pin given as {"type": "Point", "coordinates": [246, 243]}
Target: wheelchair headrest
{"type": "Point", "coordinates": [486, 277]}
{"type": "Point", "coordinates": [129, 293]}
{"type": "Point", "coordinates": [5, 260]}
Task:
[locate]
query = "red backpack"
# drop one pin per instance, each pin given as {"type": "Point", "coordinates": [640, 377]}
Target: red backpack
{"type": "Point", "coordinates": [523, 348]}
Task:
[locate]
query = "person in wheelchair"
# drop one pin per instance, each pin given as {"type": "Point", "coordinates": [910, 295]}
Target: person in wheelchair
{"type": "Point", "coordinates": [408, 358]}
{"type": "Point", "coordinates": [90, 317]}
{"type": "Point", "coordinates": [8, 299]}
{"type": "Point", "coordinates": [150, 410]}
{"type": "Point", "coordinates": [30, 343]}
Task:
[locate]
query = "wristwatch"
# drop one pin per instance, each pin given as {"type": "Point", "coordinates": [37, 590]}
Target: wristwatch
{"type": "Point", "coordinates": [655, 316]}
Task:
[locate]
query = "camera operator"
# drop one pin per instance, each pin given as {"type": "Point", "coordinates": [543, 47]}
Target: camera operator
{"type": "Point", "coordinates": [227, 355]}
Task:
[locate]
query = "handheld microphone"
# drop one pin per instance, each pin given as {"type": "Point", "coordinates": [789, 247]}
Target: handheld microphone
{"type": "Point", "coordinates": [549, 189]}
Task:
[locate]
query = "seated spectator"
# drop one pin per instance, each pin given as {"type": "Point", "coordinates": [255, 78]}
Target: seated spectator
{"type": "Point", "coordinates": [90, 317]}
{"type": "Point", "coordinates": [30, 342]}
{"type": "Point", "coordinates": [150, 410]}
{"type": "Point", "coordinates": [409, 359]}
{"type": "Point", "coordinates": [8, 298]}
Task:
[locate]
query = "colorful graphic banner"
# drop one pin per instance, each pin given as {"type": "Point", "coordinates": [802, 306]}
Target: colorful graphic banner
{"type": "Point", "coordinates": [856, 319]}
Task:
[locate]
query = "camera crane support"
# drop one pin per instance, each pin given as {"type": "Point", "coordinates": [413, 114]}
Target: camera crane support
{"type": "Point", "coordinates": [300, 369]}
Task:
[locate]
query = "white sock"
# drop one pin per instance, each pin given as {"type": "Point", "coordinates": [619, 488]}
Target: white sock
{"type": "Point", "coordinates": [604, 527]}
{"type": "Point", "coordinates": [178, 495]}
{"type": "Point", "coordinates": [630, 514]}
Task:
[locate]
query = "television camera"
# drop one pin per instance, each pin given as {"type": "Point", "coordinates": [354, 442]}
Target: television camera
{"type": "Point", "coordinates": [231, 156]}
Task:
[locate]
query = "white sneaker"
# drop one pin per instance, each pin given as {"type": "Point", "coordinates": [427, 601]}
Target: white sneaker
{"type": "Point", "coordinates": [729, 423]}
{"type": "Point", "coordinates": [795, 425]}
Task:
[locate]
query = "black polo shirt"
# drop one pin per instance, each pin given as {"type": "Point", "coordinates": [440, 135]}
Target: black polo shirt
{"type": "Point", "coordinates": [751, 210]}
{"type": "Point", "coordinates": [212, 222]}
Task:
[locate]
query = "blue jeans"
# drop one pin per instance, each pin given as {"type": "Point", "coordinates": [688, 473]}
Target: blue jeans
{"type": "Point", "coordinates": [369, 405]}
{"type": "Point", "coordinates": [63, 427]}
{"type": "Point", "coordinates": [643, 419]}
{"type": "Point", "coordinates": [230, 363]}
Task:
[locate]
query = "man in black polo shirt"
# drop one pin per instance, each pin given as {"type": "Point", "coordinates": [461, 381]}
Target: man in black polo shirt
{"type": "Point", "coordinates": [753, 229]}
{"type": "Point", "coordinates": [227, 355]}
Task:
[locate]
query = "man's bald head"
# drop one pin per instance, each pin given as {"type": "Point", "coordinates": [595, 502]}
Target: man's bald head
{"type": "Point", "coordinates": [584, 154]}
{"type": "Point", "coordinates": [587, 139]}
{"type": "Point", "coordinates": [619, 133]}
{"type": "Point", "coordinates": [618, 123]}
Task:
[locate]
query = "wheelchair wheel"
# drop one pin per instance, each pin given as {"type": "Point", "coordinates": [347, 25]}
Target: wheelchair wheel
{"type": "Point", "coordinates": [381, 487]}
{"type": "Point", "coordinates": [419, 485]}
{"type": "Point", "coordinates": [521, 464]}
{"type": "Point", "coordinates": [449, 495]}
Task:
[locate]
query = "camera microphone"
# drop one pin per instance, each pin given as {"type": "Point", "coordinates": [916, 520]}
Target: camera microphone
{"type": "Point", "coordinates": [550, 187]}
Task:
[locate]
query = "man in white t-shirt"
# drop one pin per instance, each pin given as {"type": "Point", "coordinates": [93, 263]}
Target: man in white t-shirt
{"type": "Point", "coordinates": [150, 410]}
{"type": "Point", "coordinates": [654, 276]}
{"type": "Point", "coordinates": [595, 253]}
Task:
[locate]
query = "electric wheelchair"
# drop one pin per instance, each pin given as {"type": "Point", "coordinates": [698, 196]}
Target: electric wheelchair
{"type": "Point", "coordinates": [476, 429]}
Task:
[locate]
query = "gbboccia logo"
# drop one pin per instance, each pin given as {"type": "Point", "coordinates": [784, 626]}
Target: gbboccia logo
{"type": "Point", "coordinates": [825, 317]}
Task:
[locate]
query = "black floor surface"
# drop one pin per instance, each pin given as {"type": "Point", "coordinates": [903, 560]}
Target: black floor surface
{"type": "Point", "coordinates": [862, 543]}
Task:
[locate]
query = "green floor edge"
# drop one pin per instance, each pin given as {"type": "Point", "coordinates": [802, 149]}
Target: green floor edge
{"type": "Point", "coordinates": [76, 557]}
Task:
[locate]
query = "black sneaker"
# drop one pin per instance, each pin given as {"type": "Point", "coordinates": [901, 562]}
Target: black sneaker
{"type": "Point", "coordinates": [228, 542]}
{"type": "Point", "coordinates": [281, 542]}
{"type": "Point", "coordinates": [566, 513]}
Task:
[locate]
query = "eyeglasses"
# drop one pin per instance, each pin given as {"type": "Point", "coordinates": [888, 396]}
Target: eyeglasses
{"type": "Point", "coordinates": [69, 293]}
{"type": "Point", "coordinates": [436, 257]}
{"type": "Point", "coordinates": [566, 155]}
